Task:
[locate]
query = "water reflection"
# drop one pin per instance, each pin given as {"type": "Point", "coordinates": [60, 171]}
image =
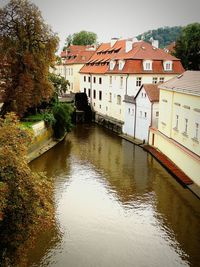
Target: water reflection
{"type": "Point", "coordinates": [116, 206]}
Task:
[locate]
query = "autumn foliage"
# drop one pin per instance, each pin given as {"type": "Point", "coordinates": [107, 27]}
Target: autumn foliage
{"type": "Point", "coordinates": [26, 204]}
{"type": "Point", "coordinates": [27, 50]}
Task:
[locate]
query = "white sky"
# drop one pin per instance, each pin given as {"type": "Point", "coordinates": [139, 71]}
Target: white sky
{"type": "Point", "coordinates": [115, 18]}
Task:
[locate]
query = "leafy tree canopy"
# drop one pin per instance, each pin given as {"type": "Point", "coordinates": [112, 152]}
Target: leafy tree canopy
{"type": "Point", "coordinates": [165, 35]}
{"type": "Point", "coordinates": [27, 50]}
{"type": "Point", "coordinates": [26, 202]}
{"type": "Point", "coordinates": [188, 47]}
{"type": "Point", "coordinates": [81, 38]}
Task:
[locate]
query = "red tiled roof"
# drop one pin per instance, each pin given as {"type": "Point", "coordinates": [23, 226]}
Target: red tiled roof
{"type": "Point", "coordinates": [143, 50]}
{"type": "Point", "coordinates": [136, 66]}
{"type": "Point", "coordinates": [80, 58]}
{"type": "Point", "coordinates": [140, 51]}
{"type": "Point", "coordinates": [152, 92]}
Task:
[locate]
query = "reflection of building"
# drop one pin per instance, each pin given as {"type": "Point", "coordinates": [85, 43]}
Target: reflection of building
{"type": "Point", "coordinates": [143, 113]}
{"type": "Point", "coordinates": [178, 133]}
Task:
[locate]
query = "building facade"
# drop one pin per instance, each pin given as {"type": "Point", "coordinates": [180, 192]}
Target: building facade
{"type": "Point", "coordinates": [73, 59]}
{"type": "Point", "coordinates": [178, 133]}
{"type": "Point", "coordinates": [118, 69]}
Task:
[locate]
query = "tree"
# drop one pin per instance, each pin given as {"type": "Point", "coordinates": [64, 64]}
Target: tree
{"type": "Point", "coordinates": [59, 83]}
{"type": "Point", "coordinates": [187, 47]}
{"type": "Point", "coordinates": [27, 50]}
{"type": "Point", "coordinates": [26, 202]}
{"type": "Point", "coordinates": [165, 35]}
{"type": "Point", "coordinates": [68, 42]}
{"type": "Point", "coordinates": [82, 38]}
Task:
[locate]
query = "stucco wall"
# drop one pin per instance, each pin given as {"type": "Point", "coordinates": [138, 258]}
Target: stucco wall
{"type": "Point", "coordinates": [185, 160]}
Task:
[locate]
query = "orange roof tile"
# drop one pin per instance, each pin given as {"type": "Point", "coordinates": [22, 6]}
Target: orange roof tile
{"type": "Point", "coordinates": [152, 92]}
{"type": "Point", "coordinates": [140, 51]}
{"type": "Point", "coordinates": [133, 66]}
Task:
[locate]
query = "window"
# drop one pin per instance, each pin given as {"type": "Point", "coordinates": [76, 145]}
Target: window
{"type": "Point", "coordinates": [157, 113]}
{"type": "Point", "coordinates": [106, 108]}
{"type": "Point", "coordinates": [110, 79]}
{"type": "Point", "coordinates": [138, 81]}
{"type": "Point", "coordinates": [129, 111]}
{"type": "Point", "coordinates": [121, 81]}
{"type": "Point", "coordinates": [100, 95]}
{"type": "Point", "coordinates": [85, 90]}
{"type": "Point", "coordinates": [94, 94]}
{"type": "Point", "coordinates": [155, 80]}
{"type": "Point", "coordinates": [89, 79]}
{"type": "Point", "coordinates": [84, 78]}
{"type": "Point", "coordinates": [100, 80]}
{"type": "Point", "coordinates": [196, 131]}
{"type": "Point", "coordinates": [71, 71]}
{"type": "Point", "coordinates": [145, 114]}
{"type": "Point", "coordinates": [94, 79]}
{"type": "Point", "coordinates": [186, 126]}
{"type": "Point", "coordinates": [176, 126]}
{"type": "Point", "coordinates": [110, 97]}
{"type": "Point", "coordinates": [147, 65]}
{"type": "Point", "coordinates": [162, 79]}
{"type": "Point", "coordinates": [168, 65]}
{"type": "Point", "coordinates": [72, 86]}
{"type": "Point", "coordinates": [118, 100]}
{"type": "Point", "coordinates": [100, 106]}
{"type": "Point", "coordinates": [89, 94]}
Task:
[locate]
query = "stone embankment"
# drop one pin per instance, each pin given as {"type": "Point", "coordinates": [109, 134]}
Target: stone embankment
{"type": "Point", "coordinates": [43, 141]}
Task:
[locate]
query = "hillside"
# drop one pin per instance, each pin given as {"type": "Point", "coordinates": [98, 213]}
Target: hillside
{"type": "Point", "coordinates": [165, 35]}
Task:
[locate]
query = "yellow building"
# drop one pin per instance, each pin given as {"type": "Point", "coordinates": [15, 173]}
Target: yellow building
{"type": "Point", "coordinates": [73, 59]}
{"type": "Point", "coordinates": [178, 133]}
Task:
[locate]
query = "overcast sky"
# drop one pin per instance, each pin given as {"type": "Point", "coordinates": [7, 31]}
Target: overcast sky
{"type": "Point", "coordinates": [115, 18]}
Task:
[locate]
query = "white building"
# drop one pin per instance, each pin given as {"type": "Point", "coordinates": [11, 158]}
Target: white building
{"type": "Point", "coordinates": [143, 112]}
{"type": "Point", "coordinates": [118, 69]}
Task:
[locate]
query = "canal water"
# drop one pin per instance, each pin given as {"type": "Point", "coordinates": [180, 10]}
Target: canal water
{"type": "Point", "coordinates": [116, 206]}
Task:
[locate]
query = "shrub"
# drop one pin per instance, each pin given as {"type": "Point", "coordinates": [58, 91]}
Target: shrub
{"type": "Point", "coordinates": [63, 119]}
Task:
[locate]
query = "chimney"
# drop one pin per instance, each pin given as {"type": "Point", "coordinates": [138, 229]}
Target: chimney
{"type": "Point", "coordinates": [113, 41]}
{"type": "Point", "coordinates": [154, 43]}
{"type": "Point", "coordinates": [129, 45]}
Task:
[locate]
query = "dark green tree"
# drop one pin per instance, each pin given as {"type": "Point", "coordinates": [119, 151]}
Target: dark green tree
{"type": "Point", "coordinates": [27, 50]}
{"type": "Point", "coordinates": [188, 47]}
{"type": "Point", "coordinates": [165, 35]}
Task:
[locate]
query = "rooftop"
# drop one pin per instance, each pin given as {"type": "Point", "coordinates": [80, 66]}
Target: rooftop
{"type": "Point", "coordinates": [188, 83]}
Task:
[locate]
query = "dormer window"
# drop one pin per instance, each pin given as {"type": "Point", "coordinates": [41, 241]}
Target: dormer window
{"type": "Point", "coordinates": [121, 64]}
{"type": "Point", "coordinates": [147, 65]}
{"type": "Point", "coordinates": [112, 64]}
{"type": "Point", "coordinates": [167, 65]}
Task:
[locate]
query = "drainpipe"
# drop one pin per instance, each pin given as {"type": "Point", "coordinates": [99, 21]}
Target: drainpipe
{"type": "Point", "coordinates": [151, 120]}
{"type": "Point", "coordinates": [90, 88]}
{"type": "Point", "coordinates": [126, 83]}
{"type": "Point", "coordinates": [135, 119]}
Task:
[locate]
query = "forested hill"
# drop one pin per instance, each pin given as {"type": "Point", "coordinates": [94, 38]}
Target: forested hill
{"type": "Point", "coordinates": [165, 35]}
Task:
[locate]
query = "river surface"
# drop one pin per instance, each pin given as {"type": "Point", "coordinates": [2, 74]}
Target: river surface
{"type": "Point", "coordinates": [116, 206]}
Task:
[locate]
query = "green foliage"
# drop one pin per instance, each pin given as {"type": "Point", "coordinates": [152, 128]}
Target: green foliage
{"type": "Point", "coordinates": [49, 119]}
{"type": "Point", "coordinates": [165, 35]}
{"type": "Point", "coordinates": [188, 47]}
{"type": "Point", "coordinates": [27, 50]}
{"type": "Point", "coordinates": [59, 83]}
{"type": "Point", "coordinates": [63, 117]}
{"type": "Point", "coordinates": [81, 38]}
{"type": "Point", "coordinates": [25, 197]}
